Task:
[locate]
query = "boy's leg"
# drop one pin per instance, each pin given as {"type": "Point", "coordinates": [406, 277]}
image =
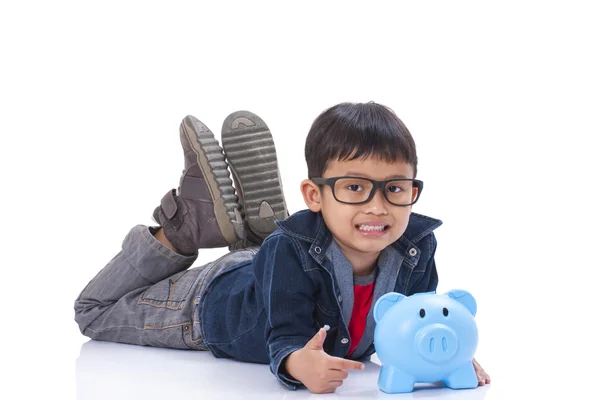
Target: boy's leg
{"type": "Point", "coordinates": [111, 307]}
{"type": "Point", "coordinates": [145, 295]}
{"type": "Point", "coordinates": [250, 153]}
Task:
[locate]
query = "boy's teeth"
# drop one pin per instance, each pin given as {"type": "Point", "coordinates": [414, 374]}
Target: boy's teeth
{"type": "Point", "coordinates": [370, 228]}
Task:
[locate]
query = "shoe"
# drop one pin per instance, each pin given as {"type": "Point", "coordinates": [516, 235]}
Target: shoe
{"type": "Point", "coordinates": [204, 212]}
{"type": "Point", "coordinates": [250, 152]}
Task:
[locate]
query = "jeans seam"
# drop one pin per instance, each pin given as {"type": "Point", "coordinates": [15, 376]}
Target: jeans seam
{"type": "Point", "coordinates": [167, 326]}
{"type": "Point", "coordinates": [139, 329]}
{"type": "Point", "coordinates": [114, 327]}
{"type": "Point", "coordinates": [169, 303]}
{"type": "Point", "coordinates": [172, 305]}
{"type": "Point", "coordinates": [172, 288]}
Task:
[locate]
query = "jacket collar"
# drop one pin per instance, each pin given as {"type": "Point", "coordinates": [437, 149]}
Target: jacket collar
{"type": "Point", "coordinates": [310, 227]}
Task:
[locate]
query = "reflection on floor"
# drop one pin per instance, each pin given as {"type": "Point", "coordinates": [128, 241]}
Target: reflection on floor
{"type": "Point", "coordinates": [119, 371]}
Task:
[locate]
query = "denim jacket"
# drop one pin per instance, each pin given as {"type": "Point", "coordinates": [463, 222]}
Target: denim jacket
{"type": "Point", "coordinates": [263, 310]}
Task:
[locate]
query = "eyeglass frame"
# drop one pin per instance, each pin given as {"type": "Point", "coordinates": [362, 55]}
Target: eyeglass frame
{"type": "Point", "coordinates": [376, 185]}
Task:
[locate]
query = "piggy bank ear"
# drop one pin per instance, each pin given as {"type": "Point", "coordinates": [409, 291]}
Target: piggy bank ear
{"type": "Point", "coordinates": [465, 298]}
{"type": "Point", "coordinates": [384, 303]}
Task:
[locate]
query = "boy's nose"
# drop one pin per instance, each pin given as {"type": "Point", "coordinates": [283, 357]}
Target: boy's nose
{"type": "Point", "coordinates": [378, 204]}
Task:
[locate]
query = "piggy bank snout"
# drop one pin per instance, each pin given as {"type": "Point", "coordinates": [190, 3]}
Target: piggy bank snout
{"type": "Point", "coordinates": [436, 343]}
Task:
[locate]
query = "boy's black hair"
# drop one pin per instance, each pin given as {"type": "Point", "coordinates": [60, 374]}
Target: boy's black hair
{"type": "Point", "coordinates": [349, 131]}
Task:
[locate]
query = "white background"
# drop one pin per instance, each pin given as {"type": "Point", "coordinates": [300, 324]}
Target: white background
{"type": "Point", "coordinates": [502, 100]}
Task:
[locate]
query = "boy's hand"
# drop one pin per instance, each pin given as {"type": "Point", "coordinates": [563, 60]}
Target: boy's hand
{"type": "Point", "coordinates": [482, 376]}
{"type": "Point", "coordinates": [317, 370]}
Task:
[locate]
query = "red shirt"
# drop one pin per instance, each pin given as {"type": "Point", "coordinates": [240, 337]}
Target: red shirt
{"type": "Point", "coordinates": [363, 297]}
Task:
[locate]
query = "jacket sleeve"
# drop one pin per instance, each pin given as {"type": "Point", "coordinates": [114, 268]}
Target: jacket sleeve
{"type": "Point", "coordinates": [429, 280]}
{"type": "Point", "coordinates": [288, 295]}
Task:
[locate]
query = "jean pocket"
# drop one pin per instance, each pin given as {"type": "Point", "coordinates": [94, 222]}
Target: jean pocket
{"type": "Point", "coordinates": [171, 292]}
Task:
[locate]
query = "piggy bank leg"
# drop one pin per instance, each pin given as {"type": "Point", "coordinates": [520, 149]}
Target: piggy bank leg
{"type": "Point", "coordinates": [393, 380]}
{"type": "Point", "coordinates": [463, 378]}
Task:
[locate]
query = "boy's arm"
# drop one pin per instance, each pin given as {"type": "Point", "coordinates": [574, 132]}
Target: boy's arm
{"type": "Point", "coordinates": [289, 302]}
{"type": "Point", "coordinates": [294, 346]}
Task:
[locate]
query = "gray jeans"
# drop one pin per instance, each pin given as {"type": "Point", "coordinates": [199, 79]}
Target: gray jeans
{"type": "Point", "coordinates": [146, 295]}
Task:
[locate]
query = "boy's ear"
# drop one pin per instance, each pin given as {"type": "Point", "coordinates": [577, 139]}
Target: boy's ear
{"type": "Point", "coordinates": [312, 195]}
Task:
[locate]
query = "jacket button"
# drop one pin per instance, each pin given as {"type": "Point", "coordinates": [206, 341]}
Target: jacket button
{"type": "Point", "coordinates": [412, 252]}
{"type": "Point", "coordinates": [345, 341]}
{"type": "Point", "coordinates": [318, 250]}
{"type": "Point", "coordinates": [340, 298]}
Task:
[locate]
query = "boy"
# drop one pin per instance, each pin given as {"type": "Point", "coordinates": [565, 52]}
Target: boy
{"type": "Point", "coordinates": [301, 301]}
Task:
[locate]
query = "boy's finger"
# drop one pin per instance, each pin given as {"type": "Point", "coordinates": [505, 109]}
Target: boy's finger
{"type": "Point", "coordinates": [316, 343]}
{"type": "Point", "coordinates": [341, 363]}
{"type": "Point", "coordinates": [337, 375]}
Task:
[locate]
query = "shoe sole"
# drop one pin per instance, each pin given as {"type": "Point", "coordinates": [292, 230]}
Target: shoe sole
{"type": "Point", "coordinates": [211, 161]}
{"type": "Point", "coordinates": [250, 152]}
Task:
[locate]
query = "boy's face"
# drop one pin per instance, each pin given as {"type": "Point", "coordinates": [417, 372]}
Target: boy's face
{"type": "Point", "coordinates": [361, 229]}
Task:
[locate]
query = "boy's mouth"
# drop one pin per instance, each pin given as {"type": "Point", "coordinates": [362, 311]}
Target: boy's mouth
{"type": "Point", "coordinates": [372, 228]}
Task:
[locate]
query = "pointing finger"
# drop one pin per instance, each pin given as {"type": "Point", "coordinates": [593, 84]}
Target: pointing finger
{"type": "Point", "coordinates": [341, 363]}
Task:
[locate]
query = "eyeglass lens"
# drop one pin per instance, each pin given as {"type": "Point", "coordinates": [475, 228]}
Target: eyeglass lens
{"type": "Point", "coordinates": [356, 190]}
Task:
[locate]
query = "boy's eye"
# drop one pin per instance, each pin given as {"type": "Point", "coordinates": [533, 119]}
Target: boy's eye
{"type": "Point", "coordinates": [355, 188]}
{"type": "Point", "coordinates": [394, 189]}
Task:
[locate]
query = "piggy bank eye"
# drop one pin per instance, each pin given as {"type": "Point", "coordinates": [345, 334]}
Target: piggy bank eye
{"type": "Point", "coordinates": [445, 311]}
{"type": "Point", "coordinates": [422, 313]}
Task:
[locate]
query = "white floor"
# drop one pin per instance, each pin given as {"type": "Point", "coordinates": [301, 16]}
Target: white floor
{"type": "Point", "coordinates": [117, 371]}
{"type": "Point", "coordinates": [62, 364]}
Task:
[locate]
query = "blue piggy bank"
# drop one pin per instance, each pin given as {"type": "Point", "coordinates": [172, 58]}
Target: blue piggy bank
{"type": "Point", "coordinates": [426, 338]}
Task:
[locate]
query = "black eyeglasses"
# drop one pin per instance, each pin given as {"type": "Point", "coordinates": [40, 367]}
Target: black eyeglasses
{"type": "Point", "coordinates": [357, 190]}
